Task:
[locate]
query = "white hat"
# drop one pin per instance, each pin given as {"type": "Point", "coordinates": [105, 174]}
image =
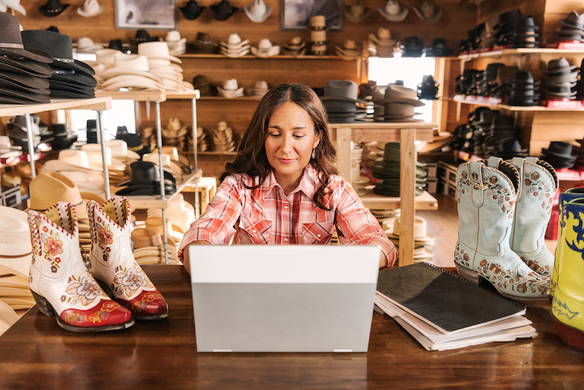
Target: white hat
{"type": "Point", "coordinates": [393, 11]}
{"type": "Point", "coordinates": [14, 4]}
{"type": "Point", "coordinates": [230, 89]}
{"type": "Point", "coordinates": [86, 45]}
{"type": "Point", "coordinates": [258, 12]}
{"type": "Point", "coordinates": [234, 42]}
{"type": "Point", "coordinates": [74, 157]}
{"type": "Point", "coordinates": [119, 149]}
{"type": "Point", "coordinates": [260, 89]}
{"type": "Point", "coordinates": [157, 49]}
{"type": "Point", "coordinates": [129, 64]}
{"type": "Point", "coordinates": [176, 44]}
{"type": "Point", "coordinates": [95, 158]}
{"type": "Point", "coordinates": [356, 12]}
{"type": "Point", "coordinates": [131, 82]}
{"type": "Point", "coordinates": [15, 244]}
{"type": "Point", "coordinates": [90, 8]}
{"type": "Point", "coordinates": [265, 49]}
{"type": "Point", "coordinates": [383, 38]}
{"type": "Point", "coordinates": [106, 56]}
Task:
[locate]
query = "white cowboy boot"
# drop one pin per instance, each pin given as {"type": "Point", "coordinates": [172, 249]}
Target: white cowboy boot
{"type": "Point", "coordinates": [112, 261]}
{"type": "Point", "coordinates": [538, 184]}
{"type": "Point", "coordinates": [486, 201]}
{"type": "Point", "coordinates": [59, 280]}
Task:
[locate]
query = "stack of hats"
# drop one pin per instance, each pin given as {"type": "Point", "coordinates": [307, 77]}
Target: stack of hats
{"type": "Point", "coordinates": [318, 31]}
{"type": "Point", "coordinates": [230, 89]}
{"type": "Point", "coordinates": [511, 148]}
{"type": "Point", "coordinates": [412, 47]}
{"type": "Point", "coordinates": [370, 152]}
{"type": "Point", "coordinates": [523, 89]}
{"type": "Point", "coordinates": [490, 77]}
{"type": "Point", "coordinates": [168, 165]}
{"type": "Point", "coordinates": [260, 89]}
{"type": "Point", "coordinates": [356, 153]}
{"type": "Point", "coordinates": [145, 180]}
{"type": "Point", "coordinates": [149, 248]}
{"type": "Point", "coordinates": [481, 129]}
{"type": "Point", "coordinates": [580, 83]}
{"type": "Point", "coordinates": [422, 240]}
{"type": "Point", "coordinates": [203, 144]}
{"type": "Point", "coordinates": [559, 155]}
{"type": "Point", "coordinates": [223, 140]}
{"type": "Point", "coordinates": [579, 150]}
{"type": "Point", "coordinates": [91, 131]}
{"type": "Point", "coordinates": [174, 133]}
{"type": "Point", "coordinates": [63, 137]}
{"type": "Point", "coordinates": [234, 47]}
{"type": "Point", "coordinates": [468, 82]}
{"type": "Point", "coordinates": [201, 83]}
{"type": "Point", "coordinates": [165, 66]}
{"type": "Point", "coordinates": [357, 12]}
{"type": "Point", "coordinates": [258, 12]}
{"type": "Point", "coordinates": [340, 98]}
{"type": "Point", "coordinates": [132, 72]}
{"type": "Point", "coordinates": [572, 28]}
{"type": "Point", "coordinates": [393, 11]}
{"type": "Point", "coordinates": [176, 44]}
{"type": "Point", "coordinates": [7, 150]}
{"type": "Point", "coordinates": [191, 10]}
{"type": "Point", "coordinates": [74, 164]}
{"type": "Point", "coordinates": [70, 79]}
{"type": "Point", "coordinates": [179, 212]}
{"type": "Point", "coordinates": [506, 26]}
{"type": "Point", "coordinates": [428, 12]}
{"type": "Point", "coordinates": [18, 132]}
{"type": "Point", "coordinates": [397, 104]}
{"type": "Point", "coordinates": [86, 45]}
{"type": "Point", "coordinates": [560, 80]}
{"type": "Point", "coordinates": [203, 44]}
{"type": "Point", "coordinates": [265, 49]}
{"type": "Point", "coordinates": [438, 49]}
{"type": "Point", "coordinates": [382, 44]}
{"type": "Point", "coordinates": [349, 50]}
{"type": "Point", "coordinates": [387, 170]}
{"type": "Point", "coordinates": [428, 89]}
{"type": "Point", "coordinates": [296, 47]}
{"type": "Point", "coordinates": [223, 10]}
{"type": "Point", "coordinates": [502, 136]}
{"type": "Point", "coordinates": [524, 33]}
{"type": "Point", "coordinates": [500, 87]}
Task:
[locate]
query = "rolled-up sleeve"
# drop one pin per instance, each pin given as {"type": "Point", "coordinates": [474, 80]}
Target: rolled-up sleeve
{"type": "Point", "coordinates": [357, 226]}
{"type": "Point", "coordinates": [216, 225]}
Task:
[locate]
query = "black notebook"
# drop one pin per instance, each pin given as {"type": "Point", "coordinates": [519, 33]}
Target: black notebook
{"type": "Point", "coordinates": [443, 300]}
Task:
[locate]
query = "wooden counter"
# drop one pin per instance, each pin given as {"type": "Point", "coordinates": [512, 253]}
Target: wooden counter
{"type": "Point", "coordinates": [36, 354]}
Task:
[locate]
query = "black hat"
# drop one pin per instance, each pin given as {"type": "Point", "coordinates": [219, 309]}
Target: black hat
{"type": "Point", "coordinates": [23, 81]}
{"type": "Point", "coordinates": [223, 10]}
{"type": "Point", "coordinates": [116, 44]}
{"type": "Point", "coordinates": [52, 8]}
{"type": "Point", "coordinates": [25, 66]}
{"type": "Point", "coordinates": [53, 29]}
{"type": "Point", "coordinates": [59, 46]}
{"type": "Point", "coordinates": [11, 41]}
{"type": "Point", "coordinates": [145, 180]}
{"type": "Point", "coordinates": [191, 10]}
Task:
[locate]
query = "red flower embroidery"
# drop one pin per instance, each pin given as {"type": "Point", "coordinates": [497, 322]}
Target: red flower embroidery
{"type": "Point", "coordinates": [105, 236]}
{"type": "Point", "coordinates": [54, 247]}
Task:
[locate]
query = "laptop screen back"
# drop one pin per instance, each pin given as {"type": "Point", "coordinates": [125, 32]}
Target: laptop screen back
{"type": "Point", "coordinates": [276, 298]}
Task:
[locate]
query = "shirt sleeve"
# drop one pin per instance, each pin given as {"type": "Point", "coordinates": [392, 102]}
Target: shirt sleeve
{"type": "Point", "coordinates": [357, 226]}
{"type": "Point", "coordinates": [216, 225]}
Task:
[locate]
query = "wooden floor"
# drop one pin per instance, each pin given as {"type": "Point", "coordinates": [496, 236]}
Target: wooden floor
{"type": "Point", "coordinates": [443, 224]}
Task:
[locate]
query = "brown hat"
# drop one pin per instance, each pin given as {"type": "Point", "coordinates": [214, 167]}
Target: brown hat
{"type": "Point", "coordinates": [49, 188]}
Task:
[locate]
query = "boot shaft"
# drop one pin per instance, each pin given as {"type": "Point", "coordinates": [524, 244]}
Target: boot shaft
{"type": "Point", "coordinates": [486, 203]}
{"type": "Point", "coordinates": [571, 266]}
{"type": "Point", "coordinates": [109, 227]}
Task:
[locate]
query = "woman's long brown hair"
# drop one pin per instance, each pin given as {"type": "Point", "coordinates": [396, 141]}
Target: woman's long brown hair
{"type": "Point", "coordinates": [251, 154]}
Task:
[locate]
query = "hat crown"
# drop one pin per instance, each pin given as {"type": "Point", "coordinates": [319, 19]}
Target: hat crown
{"type": "Point", "coordinates": [230, 84]}
{"type": "Point", "coordinates": [203, 37]}
{"type": "Point", "coordinates": [14, 235]}
{"type": "Point", "coordinates": [265, 44]}
{"type": "Point", "coordinates": [91, 6]}
{"type": "Point", "coordinates": [558, 63]}
{"type": "Point", "coordinates": [131, 61]}
{"type": "Point", "coordinates": [392, 7]}
{"type": "Point", "coordinates": [222, 126]}
{"type": "Point", "coordinates": [427, 9]}
{"type": "Point", "coordinates": [234, 39]}
{"type": "Point", "coordinates": [173, 36]}
{"type": "Point", "coordinates": [49, 188]}
{"type": "Point", "coordinates": [258, 7]}
{"type": "Point", "coordinates": [296, 41]}
{"type": "Point", "coordinates": [261, 85]}
{"type": "Point", "coordinates": [154, 49]}
{"type": "Point", "coordinates": [53, 5]}
{"type": "Point", "coordinates": [399, 92]}
{"type": "Point", "coordinates": [75, 157]}
{"type": "Point", "coordinates": [318, 21]}
{"type": "Point", "coordinates": [383, 33]}
{"type": "Point", "coordinates": [200, 81]}
{"type": "Point", "coordinates": [349, 44]}
{"type": "Point", "coordinates": [59, 46]}
{"type": "Point", "coordinates": [85, 42]}
{"type": "Point", "coordinates": [341, 89]}
{"type": "Point", "coordinates": [357, 9]}
{"type": "Point", "coordinates": [119, 147]}
{"type": "Point", "coordinates": [192, 6]}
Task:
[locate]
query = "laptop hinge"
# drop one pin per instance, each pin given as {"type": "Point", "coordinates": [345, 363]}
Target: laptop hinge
{"type": "Point", "coordinates": [342, 350]}
{"type": "Point", "coordinates": [221, 350]}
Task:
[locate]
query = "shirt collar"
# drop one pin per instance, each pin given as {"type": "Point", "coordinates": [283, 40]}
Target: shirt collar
{"type": "Point", "coordinates": [308, 182]}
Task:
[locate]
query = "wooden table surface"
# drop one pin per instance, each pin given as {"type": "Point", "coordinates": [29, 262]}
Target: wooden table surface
{"type": "Point", "coordinates": [36, 354]}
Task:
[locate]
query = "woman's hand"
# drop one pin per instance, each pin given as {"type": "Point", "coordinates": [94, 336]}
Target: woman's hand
{"type": "Point", "coordinates": [186, 259]}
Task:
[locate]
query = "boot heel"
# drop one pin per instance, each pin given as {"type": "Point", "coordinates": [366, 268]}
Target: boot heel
{"type": "Point", "coordinates": [106, 289]}
{"type": "Point", "coordinates": [468, 274]}
{"type": "Point", "coordinates": [43, 305]}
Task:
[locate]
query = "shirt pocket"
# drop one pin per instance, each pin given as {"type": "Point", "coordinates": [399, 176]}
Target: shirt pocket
{"type": "Point", "coordinates": [316, 233]}
{"type": "Point", "coordinates": [258, 231]}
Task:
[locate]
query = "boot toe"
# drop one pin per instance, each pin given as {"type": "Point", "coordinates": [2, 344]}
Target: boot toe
{"type": "Point", "coordinates": [149, 305]}
{"type": "Point", "coordinates": [106, 315]}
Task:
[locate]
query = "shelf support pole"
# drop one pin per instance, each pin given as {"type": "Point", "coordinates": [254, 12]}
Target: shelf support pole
{"type": "Point", "coordinates": [194, 126]}
{"type": "Point", "coordinates": [162, 193]}
{"type": "Point", "coordinates": [101, 140]}
{"type": "Point", "coordinates": [29, 137]}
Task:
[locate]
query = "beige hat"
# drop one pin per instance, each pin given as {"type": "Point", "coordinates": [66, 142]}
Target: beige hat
{"type": "Point", "coordinates": [157, 49]}
{"type": "Point", "coordinates": [265, 49]}
{"type": "Point", "coordinates": [383, 38]}
{"type": "Point", "coordinates": [393, 11]}
{"type": "Point", "coordinates": [230, 89]}
{"type": "Point", "coordinates": [15, 246]}
{"type": "Point", "coordinates": [86, 45]}
{"type": "Point", "coordinates": [428, 12]}
{"type": "Point", "coordinates": [129, 64]}
{"type": "Point", "coordinates": [119, 149]}
{"type": "Point", "coordinates": [131, 82]}
{"type": "Point", "coordinates": [49, 188]}
{"type": "Point", "coordinates": [107, 56]}
{"type": "Point", "coordinates": [7, 314]}
{"type": "Point", "coordinates": [90, 8]}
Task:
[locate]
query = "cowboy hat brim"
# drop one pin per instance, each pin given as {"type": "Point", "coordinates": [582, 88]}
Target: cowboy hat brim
{"type": "Point", "coordinates": [82, 12]}
{"type": "Point", "coordinates": [394, 18]}
{"type": "Point", "coordinates": [43, 9]}
{"type": "Point", "coordinates": [258, 18]}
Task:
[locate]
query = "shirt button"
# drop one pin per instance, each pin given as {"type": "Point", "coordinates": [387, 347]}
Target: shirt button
{"type": "Point", "coordinates": [285, 239]}
{"type": "Point", "coordinates": [285, 207]}
{"type": "Point", "coordinates": [253, 231]}
{"type": "Point", "coordinates": [318, 235]}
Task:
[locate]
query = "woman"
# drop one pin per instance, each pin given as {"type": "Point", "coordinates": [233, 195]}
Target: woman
{"type": "Point", "coordinates": [282, 187]}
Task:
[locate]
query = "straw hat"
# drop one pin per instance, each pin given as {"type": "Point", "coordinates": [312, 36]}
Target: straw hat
{"type": "Point", "coordinates": [49, 188]}
{"type": "Point", "coordinates": [120, 150]}
{"type": "Point", "coordinates": [15, 246]}
{"type": "Point", "coordinates": [129, 64]}
{"type": "Point", "coordinates": [393, 11]}
{"type": "Point", "coordinates": [230, 89]}
{"type": "Point", "coordinates": [176, 44]}
{"type": "Point", "coordinates": [86, 45]}
{"type": "Point", "coordinates": [157, 50]}
{"type": "Point", "coordinates": [356, 12]}
{"type": "Point", "coordinates": [428, 12]}
{"type": "Point", "coordinates": [265, 49]}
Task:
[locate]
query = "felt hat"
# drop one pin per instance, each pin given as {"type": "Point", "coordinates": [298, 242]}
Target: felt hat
{"type": "Point", "coordinates": [230, 89]}
{"type": "Point", "coordinates": [203, 44]}
{"type": "Point", "coordinates": [201, 83]}
{"type": "Point", "coordinates": [90, 9]}
{"type": "Point", "coordinates": [222, 11]}
{"type": "Point", "coordinates": [393, 11]}
{"type": "Point", "coordinates": [265, 49]}
{"type": "Point", "coordinates": [341, 90]}
{"type": "Point", "coordinates": [428, 12]}
{"type": "Point", "coordinates": [11, 43]}
{"type": "Point", "coordinates": [58, 46]}
{"type": "Point", "coordinates": [86, 45]}
{"type": "Point", "coordinates": [191, 10]}
{"type": "Point", "coordinates": [296, 46]}
{"type": "Point", "coordinates": [258, 12]}
{"type": "Point", "coordinates": [399, 94]}
{"type": "Point", "coordinates": [52, 8]}
{"type": "Point", "coordinates": [356, 13]}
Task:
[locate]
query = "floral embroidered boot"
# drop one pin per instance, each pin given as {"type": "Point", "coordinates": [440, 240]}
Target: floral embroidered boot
{"type": "Point", "coordinates": [486, 201]}
{"type": "Point", "coordinates": [59, 280]}
{"type": "Point", "coordinates": [568, 302]}
{"type": "Point", "coordinates": [565, 197]}
{"type": "Point", "coordinates": [538, 184]}
{"type": "Point", "coordinates": [113, 264]}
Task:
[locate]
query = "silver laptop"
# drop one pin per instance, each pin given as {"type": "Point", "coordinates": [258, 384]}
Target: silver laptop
{"type": "Point", "coordinates": [283, 298]}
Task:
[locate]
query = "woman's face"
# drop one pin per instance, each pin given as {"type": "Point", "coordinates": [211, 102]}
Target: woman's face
{"type": "Point", "coordinates": [290, 141]}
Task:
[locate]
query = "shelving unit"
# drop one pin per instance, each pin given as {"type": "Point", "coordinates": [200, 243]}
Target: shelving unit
{"type": "Point", "coordinates": [406, 133]}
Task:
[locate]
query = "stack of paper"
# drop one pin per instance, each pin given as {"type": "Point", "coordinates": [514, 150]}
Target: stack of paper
{"type": "Point", "coordinates": [442, 311]}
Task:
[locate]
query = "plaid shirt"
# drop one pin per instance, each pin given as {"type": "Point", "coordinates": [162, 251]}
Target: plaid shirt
{"type": "Point", "coordinates": [267, 216]}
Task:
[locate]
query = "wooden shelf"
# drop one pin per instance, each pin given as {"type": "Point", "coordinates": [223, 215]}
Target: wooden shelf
{"type": "Point", "coordinates": [518, 51]}
{"type": "Point", "coordinates": [178, 95]}
{"type": "Point", "coordinates": [155, 201]}
{"type": "Point", "coordinates": [148, 95]}
{"type": "Point", "coordinates": [479, 102]}
{"type": "Point", "coordinates": [251, 56]}
{"type": "Point", "coordinates": [98, 104]}
{"type": "Point", "coordinates": [425, 201]}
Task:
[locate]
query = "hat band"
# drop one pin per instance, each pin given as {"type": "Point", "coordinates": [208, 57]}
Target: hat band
{"type": "Point", "coordinates": [14, 256]}
{"type": "Point", "coordinates": [12, 45]}
{"type": "Point", "coordinates": [67, 60]}
{"type": "Point", "coordinates": [60, 71]}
